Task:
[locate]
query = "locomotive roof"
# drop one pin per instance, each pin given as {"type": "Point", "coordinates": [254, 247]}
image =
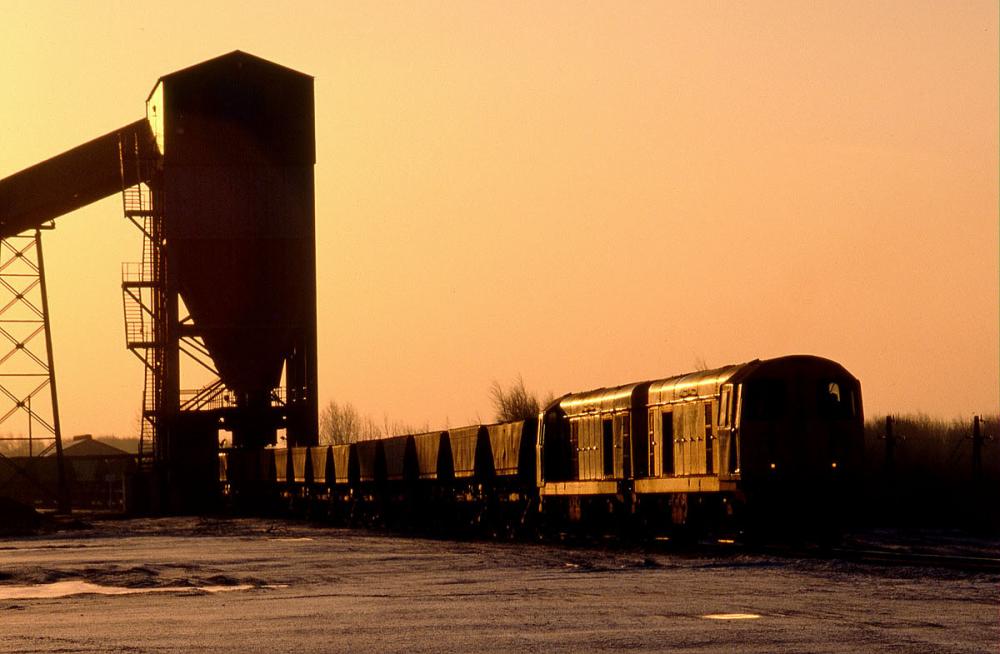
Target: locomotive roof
{"type": "Point", "coordinates": [600, 399]}
{"type": "Point", "coordinates": [693, 384]}
{"type": "Point", "coordinates": [799, 364]}
{"type": "Point", "coordinates": [701, 383]}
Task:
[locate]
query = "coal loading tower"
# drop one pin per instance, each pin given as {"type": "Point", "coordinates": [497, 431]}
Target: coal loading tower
{"type": "Point", "coordinates": [219, 178]}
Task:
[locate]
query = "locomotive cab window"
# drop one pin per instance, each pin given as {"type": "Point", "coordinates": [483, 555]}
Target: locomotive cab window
{"type": "Point", "coordinates": [835, 400]}
{"type": "Point", "coordinates": [724, 407]}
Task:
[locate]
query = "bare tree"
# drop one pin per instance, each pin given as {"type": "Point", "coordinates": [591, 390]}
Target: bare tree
{"type": "Point", "coordinates": [398, 427]}
{"type": "Point", "coordinates": [342, 423]}
{"type": "Point", "coordinates": [514, 402]}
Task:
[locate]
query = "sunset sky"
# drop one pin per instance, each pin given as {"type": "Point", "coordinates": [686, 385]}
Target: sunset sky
{"type": "Point", "coordinates": [584, 193]}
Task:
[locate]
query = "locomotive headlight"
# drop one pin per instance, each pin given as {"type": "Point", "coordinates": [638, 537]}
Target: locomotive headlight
{"type": "Point", "coordinates": [774, 466]}
{"type": "Point", "coordinates": [833, 465]}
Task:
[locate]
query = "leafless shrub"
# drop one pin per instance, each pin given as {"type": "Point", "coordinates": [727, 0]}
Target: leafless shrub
{"type": "Point", "coordinates": [340, 424]}
{"type": "Point", "coordinates": [15, 447]}
{"type": "Point", "coordinates": [514, 402]}
{"type": "Point", "coordinates": [398, 427]}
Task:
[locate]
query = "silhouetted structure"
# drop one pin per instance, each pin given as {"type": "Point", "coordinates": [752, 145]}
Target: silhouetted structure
{"type": "Point", "coordinates": [219, 177]}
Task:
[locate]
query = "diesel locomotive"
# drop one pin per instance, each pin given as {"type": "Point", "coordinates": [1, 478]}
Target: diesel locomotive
{"type": "Point", "coordinates": [776, 437]}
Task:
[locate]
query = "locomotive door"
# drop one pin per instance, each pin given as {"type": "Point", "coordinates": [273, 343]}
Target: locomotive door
{"type": "Point", "coordinates": [626, 445]}
{"type": "Point", "coordinates": [574, 450]}
{"type": "Point", "coordinates": [661, 448]}
{"type": "Point", "coordinates": [608, 448]}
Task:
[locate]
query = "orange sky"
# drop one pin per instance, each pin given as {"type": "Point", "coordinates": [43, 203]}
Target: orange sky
{"type": "Point", "coordinates": [584, 193]}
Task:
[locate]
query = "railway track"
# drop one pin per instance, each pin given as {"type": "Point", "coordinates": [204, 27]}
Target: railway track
{"type": "Point", "coordinates": [916, 559]}
{"type": "Point", "coordinates": [869, 556]}
{"type": "Point", "coordinates": [889, 555]}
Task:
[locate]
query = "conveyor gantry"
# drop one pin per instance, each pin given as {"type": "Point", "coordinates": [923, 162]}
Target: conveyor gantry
{"type": "Point", "coordinates": [90, 172]}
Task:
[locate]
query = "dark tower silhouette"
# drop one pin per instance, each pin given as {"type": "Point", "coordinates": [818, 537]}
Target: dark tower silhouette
{"type": "Point", "coordinates": [235, 193]}
{"type": "Point", "coordinates": [220, 179]}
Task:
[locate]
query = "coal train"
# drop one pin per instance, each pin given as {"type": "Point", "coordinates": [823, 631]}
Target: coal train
{"type": "Point", "coordinates": [729, 446]}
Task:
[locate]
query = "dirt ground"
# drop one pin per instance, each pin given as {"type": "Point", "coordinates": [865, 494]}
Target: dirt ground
{"type": "Point", "coordinates": [187, 584]}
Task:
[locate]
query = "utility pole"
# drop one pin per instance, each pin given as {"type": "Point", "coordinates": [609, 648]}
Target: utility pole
{"type": "Point", "coordinates": [977, 450]}
{"type": "Point", "coordinates": [890, 448]}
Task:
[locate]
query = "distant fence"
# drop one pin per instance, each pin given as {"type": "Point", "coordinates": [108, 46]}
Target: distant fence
{"type": "Point", "coordinates": [929, 472]}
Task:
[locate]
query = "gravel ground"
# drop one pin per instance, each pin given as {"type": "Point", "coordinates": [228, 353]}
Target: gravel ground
{"type": "Point", "coordinates": [293, 587]}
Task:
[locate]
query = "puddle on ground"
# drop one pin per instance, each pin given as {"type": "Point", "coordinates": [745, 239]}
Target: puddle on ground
{"type": "Point", "coordinates": [731, 616]}
{"type": "Point", "coordinates": [77, 587]}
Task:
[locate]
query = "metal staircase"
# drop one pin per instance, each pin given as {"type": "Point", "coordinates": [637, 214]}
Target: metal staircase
{"type": "Point", "coordinates": [144, 305]}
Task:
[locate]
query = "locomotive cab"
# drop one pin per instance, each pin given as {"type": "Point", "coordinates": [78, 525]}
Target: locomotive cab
{"type": "Point", "coordinates": [798, 423]}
